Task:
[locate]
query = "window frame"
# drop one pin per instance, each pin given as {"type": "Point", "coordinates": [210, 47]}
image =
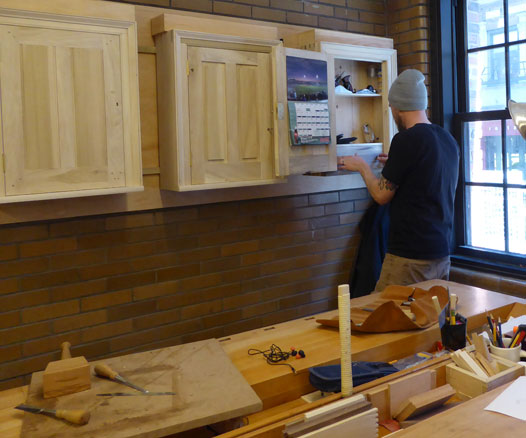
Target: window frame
{"type": "Point", "coordinates": [450, 110]}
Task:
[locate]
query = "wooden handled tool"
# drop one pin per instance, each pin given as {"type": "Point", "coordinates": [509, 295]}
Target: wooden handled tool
{"type": "Point", "coordinates": [67, 375]}
{"type": "Point", "coordinates": [436, 303]}
{"type": "Point", "coordinates": [101, 369]}
{"type": "Point", "coordinates": [66, 354]}
{"type": "Point", "coordinates": [76, 416]}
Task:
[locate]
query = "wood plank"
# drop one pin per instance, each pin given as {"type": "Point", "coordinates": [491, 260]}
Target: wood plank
{"type": "Point", "coordinates": [85, 8]}
{"type": "Point", "coordinates": [364, 425]}
{"type": "Point", "coordinates": [424, 402]}
{"type": "Point", "coordinates": [379, 398]}
{"type": "Point", "coordinates": [200, 373]}
{"type": "Point", "coordinates": [330, 413]}
{"type": "Point", "coordinates": [482, 349]}
{"type": "Point", "coordinates": [167, 22]}
{"type": "Point", "coordinates": [403, 389]}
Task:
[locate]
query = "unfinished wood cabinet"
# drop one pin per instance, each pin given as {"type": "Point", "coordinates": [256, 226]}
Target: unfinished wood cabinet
{"type": "Point", "coordinates": [373, 66]}
{"type": "Point", "coordinates": [69, 106]}
{"type": "Point", "coordinates": [312, 158]}
{"type": "Point", "coordinates": [217, 117]}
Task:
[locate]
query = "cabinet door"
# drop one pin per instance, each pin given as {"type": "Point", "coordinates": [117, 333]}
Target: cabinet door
{"type": "Point", "coordinates": [312, 158]}
{"type": "Point", "coordinates": [230, 115]}
{"type": "Point", "coordinates": [61, 106]}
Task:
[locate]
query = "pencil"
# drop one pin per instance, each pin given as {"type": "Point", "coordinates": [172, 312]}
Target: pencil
{"type": "Point", "coordinates": [489, 321]}
{"type": "Point", "coordinates": [501, 344]}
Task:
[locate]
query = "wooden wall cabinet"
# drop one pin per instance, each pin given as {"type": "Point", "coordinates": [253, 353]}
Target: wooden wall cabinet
{"type": "Point", "coordinates": [222, 100]}
{"type": "Point", "coordinates": [218, 111]}
{"type": "Point", "coordinates": [367, 65]}
{"type": "Point", "coordinates": [69, 106]}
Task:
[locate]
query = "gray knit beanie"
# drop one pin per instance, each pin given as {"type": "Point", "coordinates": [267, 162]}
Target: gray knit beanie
{"type": "Point", "coordinates": [408, 92]}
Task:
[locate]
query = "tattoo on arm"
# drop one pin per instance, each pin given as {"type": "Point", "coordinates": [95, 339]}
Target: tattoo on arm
{"type": "Point", "coordinates": [385, 184]}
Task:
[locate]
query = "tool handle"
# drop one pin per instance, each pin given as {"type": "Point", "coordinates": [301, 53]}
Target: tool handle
{"type": "Point", "coordinates": [453, 305]}
{"type": "Point", "coordinates": [436, 303]}
{"type": "Point", "coordinates": [66, 354]}
{"type": "Point", "coordinates": [78, 416]}
{"type": "Point", "coordinates": [104, 370]}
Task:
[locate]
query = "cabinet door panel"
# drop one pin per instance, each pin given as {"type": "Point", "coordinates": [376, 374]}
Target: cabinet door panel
{"type": "Point", "coordinates": [230, 115]}
{"type": "Point", "coordinates": [61, 110]}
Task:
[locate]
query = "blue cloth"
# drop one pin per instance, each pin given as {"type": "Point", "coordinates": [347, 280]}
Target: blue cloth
{"type": "Point", "coordinates": [328, 378]}
{"type": "Point", "coordinates": [374, 229]}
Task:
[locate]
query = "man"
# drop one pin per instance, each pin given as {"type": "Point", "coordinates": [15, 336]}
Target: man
{"type": "Point", "coordinates": [419, 179]}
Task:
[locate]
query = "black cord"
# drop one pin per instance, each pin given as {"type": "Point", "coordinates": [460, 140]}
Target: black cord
{"type": "Point", "coordinates": [273, 355]}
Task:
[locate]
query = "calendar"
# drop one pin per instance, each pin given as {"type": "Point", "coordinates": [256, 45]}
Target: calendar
{"type": "Point", "coordinates": [307, 95]}
{"type": "Point", "coordinates": [309, 123]}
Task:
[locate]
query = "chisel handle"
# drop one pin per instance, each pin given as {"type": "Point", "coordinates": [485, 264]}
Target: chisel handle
{"type": "Point", "coordinates": [66, 354]}
{"type": "Point", "coordinates": [104, 370]}
{"type": "Point", "coordinates": [78, 416]}
{"type": "Point", "coordinates": [436, 303]}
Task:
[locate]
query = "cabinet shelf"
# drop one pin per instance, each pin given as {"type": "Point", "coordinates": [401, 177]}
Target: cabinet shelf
{"type": "Point", "coordinates": [339, 94]}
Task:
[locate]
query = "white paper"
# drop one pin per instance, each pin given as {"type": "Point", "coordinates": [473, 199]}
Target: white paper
{"type": "Point", "coordinates": [512, 401]}
{"type": "Point", "coordinates": [507, 327]}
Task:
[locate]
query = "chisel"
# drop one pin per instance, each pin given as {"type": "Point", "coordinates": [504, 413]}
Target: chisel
{"type": "Point", "coordinates": [104, 370]}
{"type": "Point", "coordinates": [78, 416]}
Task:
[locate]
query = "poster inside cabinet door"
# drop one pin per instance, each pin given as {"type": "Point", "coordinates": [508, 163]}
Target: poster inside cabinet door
{"type": "Point", "coordinates": [308, 105]}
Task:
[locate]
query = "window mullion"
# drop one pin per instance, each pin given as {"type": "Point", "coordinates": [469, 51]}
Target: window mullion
{"type": "Point", "coordinates": [505, 185]}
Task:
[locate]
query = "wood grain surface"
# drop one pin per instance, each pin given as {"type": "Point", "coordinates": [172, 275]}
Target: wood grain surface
{"type": "Point", "coordinates": [208, 389]}
{"type": "Point", "coordinates": [278, 384]}
{"type": "Point", "coordinates": [468, 420]}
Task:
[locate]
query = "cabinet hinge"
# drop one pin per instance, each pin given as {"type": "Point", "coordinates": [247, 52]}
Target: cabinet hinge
{"type": "Point", "coordinates": [187, 68]}
{"type": "Point", "coordinates": [3, 163]}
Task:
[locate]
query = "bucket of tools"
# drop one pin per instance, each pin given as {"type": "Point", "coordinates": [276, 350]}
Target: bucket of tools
{"type": "Point", "coordinates": [453, 335]}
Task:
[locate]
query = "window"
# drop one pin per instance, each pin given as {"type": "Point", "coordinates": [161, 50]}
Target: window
{"type": "Point", "coordinates": [489, 37]}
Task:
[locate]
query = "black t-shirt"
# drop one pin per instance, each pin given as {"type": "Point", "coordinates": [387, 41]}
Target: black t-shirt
{"type": "Point", "coordinates": [423, 162]}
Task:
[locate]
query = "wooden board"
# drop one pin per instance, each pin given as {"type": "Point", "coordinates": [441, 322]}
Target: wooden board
{"type": "Point", "coordinates": [425, 401]}
{"type": "Point", "coordinates": [406, 387]}
{"type": "Point", "coordinates": [364, 425]}
{"type": "Point", "coordinates": [277, 384]}
{"type": "Point", "coordinates": [209, 389]}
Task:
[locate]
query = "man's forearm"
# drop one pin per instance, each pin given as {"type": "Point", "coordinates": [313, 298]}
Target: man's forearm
{"type": "Point", "coordinates": [378, 187]}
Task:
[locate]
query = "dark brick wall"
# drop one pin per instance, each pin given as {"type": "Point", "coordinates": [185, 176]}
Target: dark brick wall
{"type": "Point", "coordinates": [409, 26]}
{"type": "Point", "coordinates": [117, 284]}
{"type": "Point", "coordinates": [362, 16]}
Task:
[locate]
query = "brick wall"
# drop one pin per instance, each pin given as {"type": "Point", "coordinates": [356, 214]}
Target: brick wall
{"type": "Point", "coordinates": [361, 16]}
{"type": "Point", "coordinates": [409, 26]}
{"type": "Point", "coordinates": [123, 283]}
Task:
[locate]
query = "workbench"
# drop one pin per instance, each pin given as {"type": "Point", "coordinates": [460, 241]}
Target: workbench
{"type": "Point", "coordinates": [278, 385]}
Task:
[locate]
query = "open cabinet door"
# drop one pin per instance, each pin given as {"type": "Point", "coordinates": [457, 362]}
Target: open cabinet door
{"type": "Point", "coordinates": [306, 92]}
{"type": "Point", "coordinates": [281, 126]}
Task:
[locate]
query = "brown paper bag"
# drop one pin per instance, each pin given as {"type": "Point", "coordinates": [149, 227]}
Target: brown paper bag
{"type": "Point", "coordinates": [385, 312]}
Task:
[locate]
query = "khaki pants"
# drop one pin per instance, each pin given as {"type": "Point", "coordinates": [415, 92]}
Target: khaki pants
{"type": "Point", "coordinates": [402, 271]}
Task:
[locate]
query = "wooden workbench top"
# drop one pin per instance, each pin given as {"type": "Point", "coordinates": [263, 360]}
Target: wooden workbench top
{"type": "Point", "coordinates": [277, 384]}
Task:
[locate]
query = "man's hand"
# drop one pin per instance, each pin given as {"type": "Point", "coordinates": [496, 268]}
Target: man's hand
{"type": "Point", "coordinates": [382, 158]}
{"type": "Point", "coordinates": [381, 189]}
{"type": "Point", "coordinates": [354, 163]}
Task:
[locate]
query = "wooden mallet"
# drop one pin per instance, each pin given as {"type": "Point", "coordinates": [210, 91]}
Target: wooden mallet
{"type": "Point", "coordinates": [67, 375]}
